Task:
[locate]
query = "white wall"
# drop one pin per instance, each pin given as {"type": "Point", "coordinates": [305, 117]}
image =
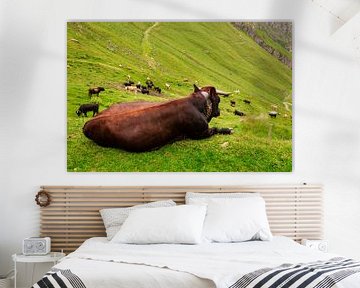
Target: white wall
{"type": "Point", "coordinates": [33, 105]}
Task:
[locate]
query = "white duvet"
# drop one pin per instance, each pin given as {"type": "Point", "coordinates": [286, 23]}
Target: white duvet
{"type": "Point", "coordinates": [100, 263]}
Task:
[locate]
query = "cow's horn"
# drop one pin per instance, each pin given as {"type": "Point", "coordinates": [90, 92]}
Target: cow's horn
{"type": "Point", "coordinates": [222, 92]}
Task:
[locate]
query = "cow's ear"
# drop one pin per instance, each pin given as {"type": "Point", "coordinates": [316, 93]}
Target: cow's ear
{"type": "Point", "coordinates": [196, 89]}
{"type": "Point", "coordinates": [212, 91]}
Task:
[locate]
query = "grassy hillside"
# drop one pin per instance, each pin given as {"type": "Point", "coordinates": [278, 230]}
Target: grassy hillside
{"type": "Point", "coordinates": [274, 37]}
{"type": "Point", "coordinates": [217, 54]}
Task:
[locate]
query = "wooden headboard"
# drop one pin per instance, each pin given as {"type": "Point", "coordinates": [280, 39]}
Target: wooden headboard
{"type": "Point", "coordinates": [73, 215]}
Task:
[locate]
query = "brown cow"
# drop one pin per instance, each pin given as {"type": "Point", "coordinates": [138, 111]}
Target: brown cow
{"type": "Point", "coordinates": [96, 91]}
{"type": "Point", "coordinates": [145, 126]}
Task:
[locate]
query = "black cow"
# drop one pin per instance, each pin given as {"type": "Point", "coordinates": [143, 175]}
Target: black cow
{"type": "Point", "coordinates": [232, 103]}
{"type": "Point", "coordinates": [145, 126]}
{"type": "Point", "coordinates": [149, 84]}
{"type": "Point", "coordinates": [273, 114]}
{"type": "Point", "coordinates": [145, 91]}
{"type": "Point", "coordinates": [247, 101]}
{"type": "Point", "coordinates": [128, 83]}
{"type": "Point", "coordinates": [157, 89]}
{"type": "Point", "coordinates": [239, 113]}
{"type": "Point", "coordinates": [84, 108]}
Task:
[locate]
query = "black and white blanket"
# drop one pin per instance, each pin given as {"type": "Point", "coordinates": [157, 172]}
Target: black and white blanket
{"type": "Point", "coordinates": [320, 274]}
{"type": "Point", "coordinates": [59, 278]}
{"type": "Point", "coordinates": [253, 264]}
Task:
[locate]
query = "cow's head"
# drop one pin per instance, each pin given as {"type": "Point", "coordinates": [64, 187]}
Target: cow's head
{"type": "Point", "coordinates": [212, 101]}
{"type": "Point", "coordinates": [101, 88]}
{"type": "Point", "coordinates": [78, 112]}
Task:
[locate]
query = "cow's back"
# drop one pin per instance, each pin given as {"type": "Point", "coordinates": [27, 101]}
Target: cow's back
{"type": "Point", "coordinates": [141, 127]}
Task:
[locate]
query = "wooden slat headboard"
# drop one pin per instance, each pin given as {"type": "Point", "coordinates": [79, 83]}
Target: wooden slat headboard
{"type": "Point", "coordinates": [73, 215]}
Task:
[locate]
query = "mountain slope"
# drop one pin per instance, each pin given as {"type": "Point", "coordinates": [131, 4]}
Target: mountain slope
{"type": "Point", "coordinates": [105, 54]}
{"type": "Point", "coordinates": [274, 37]}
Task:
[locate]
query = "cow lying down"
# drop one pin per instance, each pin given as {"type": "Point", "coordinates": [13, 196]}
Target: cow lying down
{"type": "Point", "coordinates": [145, 126]}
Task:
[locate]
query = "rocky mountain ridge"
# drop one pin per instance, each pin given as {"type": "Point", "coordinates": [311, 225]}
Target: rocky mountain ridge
{"type": "Point", "coordinates": [274, 37]}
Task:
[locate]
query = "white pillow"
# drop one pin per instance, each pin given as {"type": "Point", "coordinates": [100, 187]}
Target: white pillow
{"type": "Point", "coordinates": [236, 220]}
{"type": "Point", "coordinates": [204, 198]}
{"type": "Point", "coordinates": [113, 218]}
{"type": "Point", "coordinates": [180, 224]}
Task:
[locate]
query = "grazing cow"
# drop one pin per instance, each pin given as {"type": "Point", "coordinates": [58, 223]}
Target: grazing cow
{"type": "Point", "coordinates": [145, 91]}
{"type": "Point", "coordinates": [239, 113]}
{"type": "Point", "coordinates": [232, 103]}
{"type": "Point", "coordinates": [131, 89]}
{"type": "Point", "coordinates": [273, 114]}
{"type": "Point", "coordinates": [95, 91]}
{"type": "Point", "coordinates": [157, 89]}
{"type": "Point", "coordinates": [145, 126]}
{"type": "Point", "coordinates": [129, 83]}
{"type": "Point", "coordinates": [84, 108]}
{"type": "Point", "coordinates": [149, 84]}
{"type": "Point", "coordinates": [247, 101]}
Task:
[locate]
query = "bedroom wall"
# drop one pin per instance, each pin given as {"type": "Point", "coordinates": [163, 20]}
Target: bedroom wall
{"type": "Point", "coordinates": [33, 101]}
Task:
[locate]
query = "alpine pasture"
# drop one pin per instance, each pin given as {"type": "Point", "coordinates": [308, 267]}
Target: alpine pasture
{"type": "Point", "coordinates": [107, 54]}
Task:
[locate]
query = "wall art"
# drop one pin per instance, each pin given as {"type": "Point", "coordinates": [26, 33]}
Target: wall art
{"type": "Point", "coordinates": [179, 96]}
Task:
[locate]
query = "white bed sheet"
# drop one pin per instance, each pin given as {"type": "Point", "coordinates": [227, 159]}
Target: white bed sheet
{"type": "Point", "coordinates": [100, 263]}
{"type": "Point", "coordinates": [101, 274]}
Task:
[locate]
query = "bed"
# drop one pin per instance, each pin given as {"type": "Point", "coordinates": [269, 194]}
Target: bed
{"type": "Point", "coordinates": [99, 263]}
{"type": "Point", "coordinates": [293, 210]}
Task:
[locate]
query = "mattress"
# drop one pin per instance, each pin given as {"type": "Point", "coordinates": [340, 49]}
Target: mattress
{"type": "Point", "coordinates": [99, 263]}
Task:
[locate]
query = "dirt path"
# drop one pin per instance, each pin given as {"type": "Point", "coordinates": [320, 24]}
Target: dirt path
{"type": "Point", "coordinates": [146, 47]}
{"type": "Point", "coordinates": [287, 104]}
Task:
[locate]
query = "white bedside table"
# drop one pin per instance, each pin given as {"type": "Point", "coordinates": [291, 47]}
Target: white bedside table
{"type": "Point", "coordinates": [53, 257]}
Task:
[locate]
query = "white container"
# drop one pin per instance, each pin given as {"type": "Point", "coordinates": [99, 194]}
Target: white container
{"type": "Point", "coordinates": [6, 280]}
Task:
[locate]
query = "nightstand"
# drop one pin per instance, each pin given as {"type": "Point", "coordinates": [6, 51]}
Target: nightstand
{"type": "Point", "coordinates": [320, 245]}
{"type": "Point", "coordinates": [53, 257]}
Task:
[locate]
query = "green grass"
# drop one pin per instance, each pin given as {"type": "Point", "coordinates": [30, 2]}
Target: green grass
{"type": "Point", "coordinates": [217, 54]}
{"type": "Point", "coordinates": [270, 42]}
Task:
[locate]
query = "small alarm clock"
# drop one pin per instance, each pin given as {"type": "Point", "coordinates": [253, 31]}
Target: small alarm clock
{"type": "Point", "coordinates": [36, 246]}
{"type": "Point", "coordinates": [320, 245]}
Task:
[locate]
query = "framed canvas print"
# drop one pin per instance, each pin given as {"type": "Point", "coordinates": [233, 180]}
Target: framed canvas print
{"type": "Point", "coordinates": [179, 96]}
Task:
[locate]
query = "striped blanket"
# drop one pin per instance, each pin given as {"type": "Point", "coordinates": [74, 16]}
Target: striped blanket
{"type": "Point", "coordinates": [59, 278]}
{"type": "Point", "coordinates": [320, 274]}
